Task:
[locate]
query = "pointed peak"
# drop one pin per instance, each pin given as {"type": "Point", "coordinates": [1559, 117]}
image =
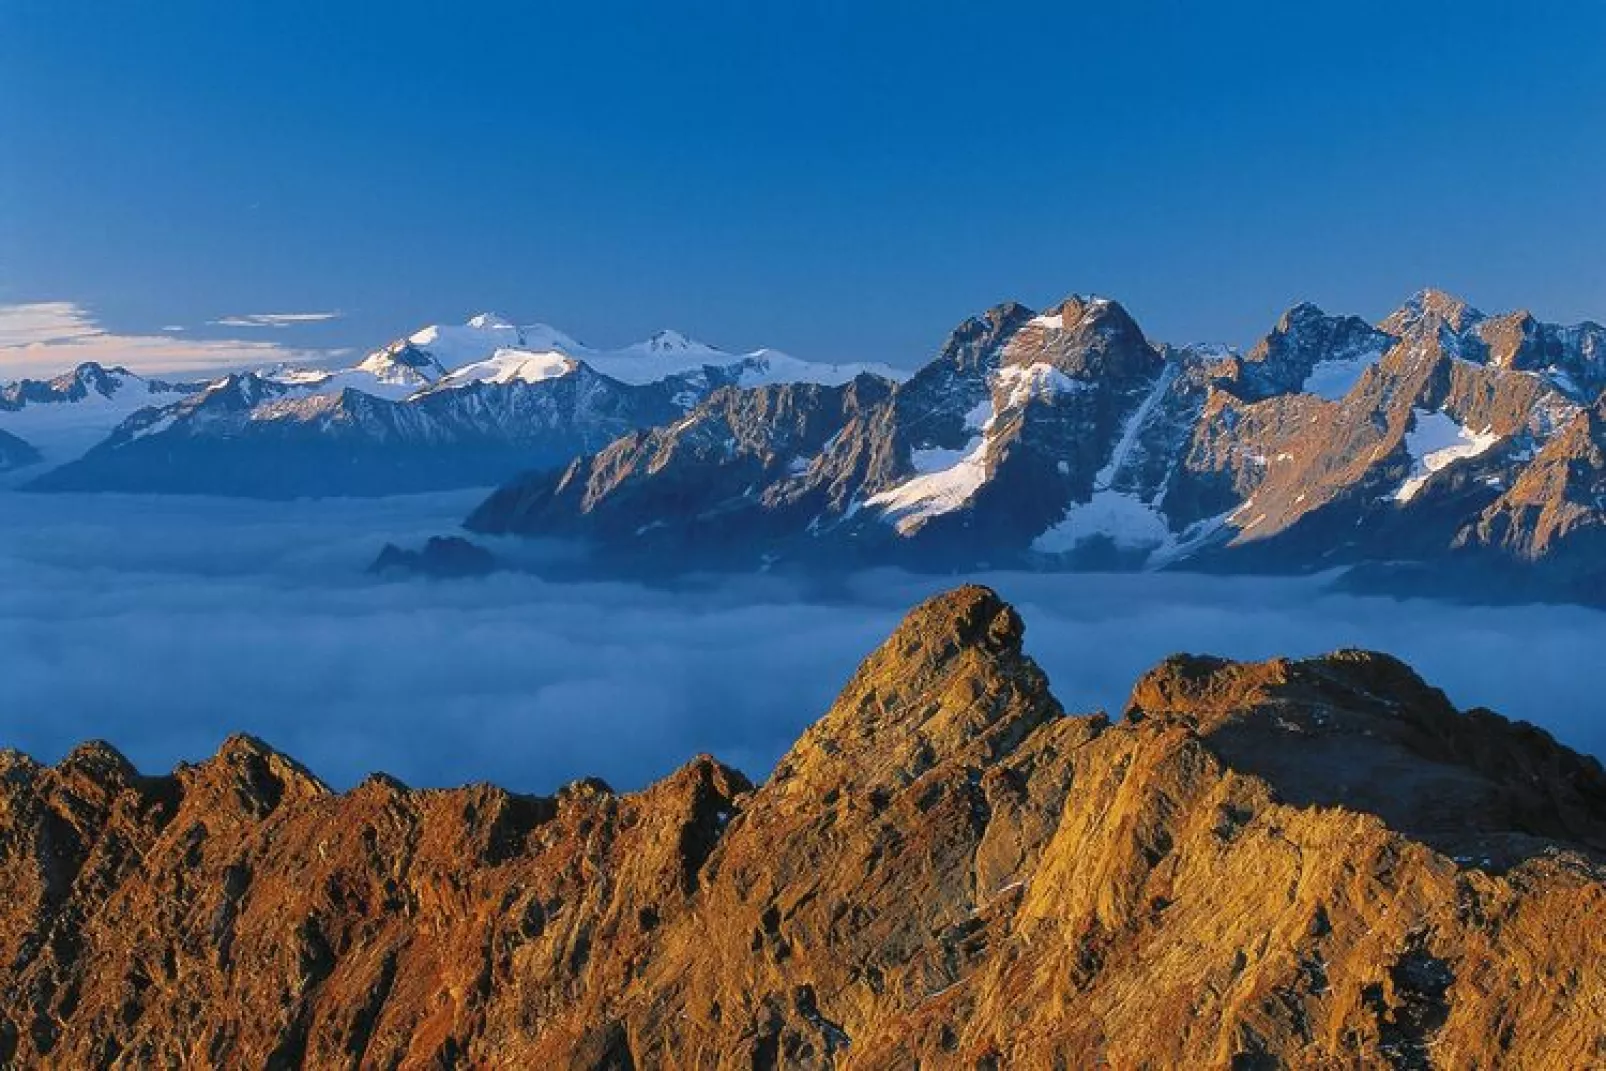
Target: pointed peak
{"type": "Point", "coordinates": [704, 774]}
{"type": "Point", "coordinates": [972, 615]}
{"type": "Point", "coordinates": [1092, 313]}
{"type": "Point", "coordinates": [1004, 312]}
{"type": "Point", "coordinates": [1076, 306]}
{"type": "Point", "coordinates": [1079, 309]}
{"type": "Point", "coordinates": [238, 746]}
{"type": "Point", "coordinates": [382, 784]}
{"type": "Point", "coordinates": [1301, 312]}
{"type": "Point", "coordinates": [980, 335]}
{"type": "Point", "coordinates": [258, 776]}
{"type": "Point", "coordinates": [545, 337]}
{"type": "Point", "coordinates": [670, 341]}
{"type": "Point", "coordinates": [951, 683]}
{"type": "Point", "coordinates": [92, 375]}
{"type": "Point", "coordinates": [1435, 306]}
{"type": "Point", "coordinates": [585, 789]}
{"type": "Point", "coordinates": [100, 761]}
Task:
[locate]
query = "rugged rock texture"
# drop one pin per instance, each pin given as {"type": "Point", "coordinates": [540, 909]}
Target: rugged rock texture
{"type": "Point", "coordinates": [1305, 864]}
{"type": "Point", "coordinates": [702, 471]}
{"type": "Point", "coordinates": [1070, 440]}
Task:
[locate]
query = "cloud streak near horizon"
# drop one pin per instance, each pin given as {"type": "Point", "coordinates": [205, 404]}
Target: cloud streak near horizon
{"type": "Point", "coordinates": [276, 319]}
{"type": "Point", "coordinates": [165, 624]}
{"type": "Point", "coordinates": [45, 338]}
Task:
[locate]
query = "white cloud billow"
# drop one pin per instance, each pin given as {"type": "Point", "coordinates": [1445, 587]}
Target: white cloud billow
{"type": "Point", "coordinates": [163, 624]}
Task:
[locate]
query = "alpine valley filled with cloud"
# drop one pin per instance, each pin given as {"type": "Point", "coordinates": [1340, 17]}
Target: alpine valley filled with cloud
{"type": "Point", "coordinates": [489, 551]}
{"type": "Point", "coordinates": [975, 536]}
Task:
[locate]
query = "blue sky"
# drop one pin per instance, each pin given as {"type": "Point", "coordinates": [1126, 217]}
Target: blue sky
{"type": "Point", "coordinates": [841, 180]}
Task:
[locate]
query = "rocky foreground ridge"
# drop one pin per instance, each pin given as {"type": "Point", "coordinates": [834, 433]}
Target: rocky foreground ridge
{"type": "Point", "coordinates": [1291, 863]}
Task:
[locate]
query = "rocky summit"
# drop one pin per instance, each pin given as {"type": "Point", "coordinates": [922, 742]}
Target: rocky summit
{"type": "Point", "coordinates": [1441, 437]}
{"type": "Point", "coordinates": [1314, 863]}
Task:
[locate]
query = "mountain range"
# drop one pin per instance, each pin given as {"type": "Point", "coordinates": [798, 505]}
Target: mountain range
{"type": "Point", "coordinates": [448, 406]}
{"type": "Point", "coordinates": [1316, 863]}
{"type": "Point", "coordinates": [1440, 450]}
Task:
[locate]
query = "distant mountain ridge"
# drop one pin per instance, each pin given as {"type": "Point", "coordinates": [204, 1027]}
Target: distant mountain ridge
{"type": "Point", "coordinates": [448, 406]}
{"type": "Point", "coordinates": [1068, 439]}
{"type": "Point", "coordinates": [1437, 449]}
{"type": "Point", "coordinates": [59, 419]}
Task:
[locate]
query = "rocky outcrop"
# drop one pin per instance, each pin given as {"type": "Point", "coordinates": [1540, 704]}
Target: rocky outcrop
{"type": "Point", "coordinates": [440, 556]}
{"type": "Point", "coordinates": [705, 471]}
{"type": "Point", "coordinates": [1306, 864]}
{"type": "Point", "coordinates": [1068, 439]}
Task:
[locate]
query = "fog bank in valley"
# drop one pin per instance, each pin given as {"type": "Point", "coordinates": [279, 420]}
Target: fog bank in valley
{"type": "Point", "coordinates": [162, 625]}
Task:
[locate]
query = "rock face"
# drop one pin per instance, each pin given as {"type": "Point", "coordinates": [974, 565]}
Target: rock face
{"type": "Point", "coordinates": [1306, 864]}
{"type": "Point", "coordinates": [701, 470]}
{"type": "Point", "coordinates": [1068, 439]}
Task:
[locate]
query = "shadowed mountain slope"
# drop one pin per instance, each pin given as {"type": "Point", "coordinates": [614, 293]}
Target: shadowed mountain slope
{"type": "Point", "coordinates": [1442, 438]}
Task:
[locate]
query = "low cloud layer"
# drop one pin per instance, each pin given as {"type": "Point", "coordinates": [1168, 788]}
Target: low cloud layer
{"type": "Point", "coordinates": [43, 339]}
{"type": "Point", "coordinates": [164, 624]}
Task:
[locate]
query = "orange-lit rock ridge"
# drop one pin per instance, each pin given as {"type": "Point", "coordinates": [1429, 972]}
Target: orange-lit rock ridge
{"type": "Point", "coordinates": [1312, 864]}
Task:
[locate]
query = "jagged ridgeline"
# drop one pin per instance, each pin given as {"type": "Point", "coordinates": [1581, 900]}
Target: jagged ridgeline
{"type": "Point", "coordinates": [1441, 449]}
{"type": "Point", "coordinates": [1441, 437]}
{"type": "Point", "coordinates": [448, 406]}
{"type": "Point", "coordinates": [1311, 863]}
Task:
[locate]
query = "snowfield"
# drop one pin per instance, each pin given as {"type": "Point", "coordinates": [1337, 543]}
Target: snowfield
{"type": "Point", "coordinates": [1435, 441]}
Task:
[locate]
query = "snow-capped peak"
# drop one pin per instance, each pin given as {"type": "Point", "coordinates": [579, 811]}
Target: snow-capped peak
{"type": "Point", "coordinates": [1432, 304]}
{"type": "Point", "coordinates": [667, 341]}
{"type": "Point", "coordinates": [545, 338]}
{"type": "Point", "coordinates": [454, 345]}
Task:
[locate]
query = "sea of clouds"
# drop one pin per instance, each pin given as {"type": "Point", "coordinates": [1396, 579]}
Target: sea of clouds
{"type": "Point", "coordinates": [164, 624]}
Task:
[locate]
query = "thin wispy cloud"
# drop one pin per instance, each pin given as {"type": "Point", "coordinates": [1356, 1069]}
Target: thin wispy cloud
{"type": "Point", "coordinates": [45, 323]}
{"type": "Point", "coordinates": [276, 319]}
{"type": "Point", "coordinates": [45, 338]}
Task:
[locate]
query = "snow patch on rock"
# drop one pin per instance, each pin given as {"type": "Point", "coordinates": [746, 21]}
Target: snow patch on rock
{"type": "Point", "coordinates": [1435, 441]}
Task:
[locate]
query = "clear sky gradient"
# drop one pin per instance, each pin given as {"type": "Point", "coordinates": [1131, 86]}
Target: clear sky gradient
{"type": "Point", "coordinates": [840, 180]}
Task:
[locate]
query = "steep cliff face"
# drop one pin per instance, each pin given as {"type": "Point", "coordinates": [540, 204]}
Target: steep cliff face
{"type": "Point", "coordinates": [1316, 863]}
{"type": "Point", "coordinates": [1068, 439]}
